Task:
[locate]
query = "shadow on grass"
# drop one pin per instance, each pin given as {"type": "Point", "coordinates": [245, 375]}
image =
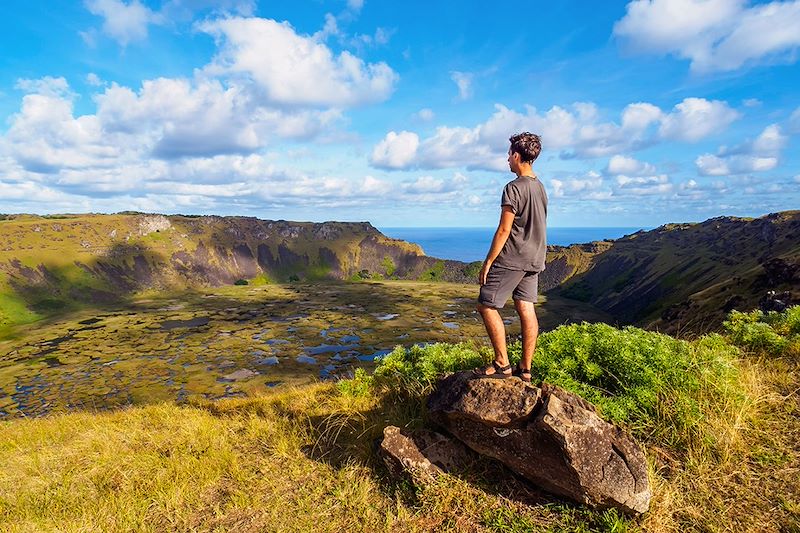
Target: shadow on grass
{"type": "Point", "coordinates": [341, 438]}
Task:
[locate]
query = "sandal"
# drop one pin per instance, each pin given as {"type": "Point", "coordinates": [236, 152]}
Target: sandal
{"type": "Point", "coordinates": [523, 373]}
{"type": "Point", "coordinates": [499, 371]}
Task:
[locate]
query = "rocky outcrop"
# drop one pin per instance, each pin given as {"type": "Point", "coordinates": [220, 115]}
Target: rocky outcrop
{"type": "Point", "coordinates": [422, 454]}
{"type": "Point", "coordinates": [549, 436]}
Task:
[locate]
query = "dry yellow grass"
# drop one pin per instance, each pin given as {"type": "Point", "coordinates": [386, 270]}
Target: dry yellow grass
{"type": "Point", "coordinates": [303, 460]}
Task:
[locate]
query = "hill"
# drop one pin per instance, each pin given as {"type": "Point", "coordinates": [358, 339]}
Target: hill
{"type": "Point", "coordinates": [682, 278]}
{"type": "Point", "coordinates": [55, 263]}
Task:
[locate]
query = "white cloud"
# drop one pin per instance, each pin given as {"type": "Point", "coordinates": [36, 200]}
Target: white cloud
{"type": "Point", "coordinates": [47, 86]}
{"type": "Point", "coordinates": [627, 165]}
{"type": "Point", "coordinates": [715, 35]}
{"type": "Point", "coordinates": [640, 115]}
{"type": "Point", "coordinates": [696, 118]}
{"type": "Point", "coordinates": [355, 5]}
{"type": "Point", "coordinates": [797, 178]}
{"type": "Point", "coordinates": [463, 81]}
{"type": "Point", "coordinates": [586, 187]}
{"type": "Point", "coordinates": [578, 132]}
{"type": "Point", "coordinates": [396, 150]}
{"type": "Point", "coordinates": [629, 181]}
{"type": "Point", "coordinates": [93, 79]}
{"type": "Point", "coordinates": [425, 114]}
{"type": "Point", "coordinates": [291, 69]}
{"type": "Point", "coordinates": [124, 22]}
{"type": "Point", "coordinates": [44, 136]}
{"type": "Point", "coordinates": [429, 184]}
{"type": "Point", "coordinates": [711, 165]}
{"type": "Point", "coordinates": [759, 155]}
{"type": "Point", "coordinates": [770, 142]}
{"type": "Point", "coordinates": [455, 147]}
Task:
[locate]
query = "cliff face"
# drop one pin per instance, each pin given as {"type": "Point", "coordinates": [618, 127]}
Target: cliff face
{"type": "Point", "coordinates": [48, 262]}
{"type": "Point", "coordinates": [685, 277]}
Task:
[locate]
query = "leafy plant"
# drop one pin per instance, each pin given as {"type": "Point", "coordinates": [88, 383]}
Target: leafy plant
{"type": "Point", "coordinates": [771, 333]}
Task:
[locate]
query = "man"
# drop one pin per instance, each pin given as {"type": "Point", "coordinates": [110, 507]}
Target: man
{"type": "Point", "coordinates": [515, 259]}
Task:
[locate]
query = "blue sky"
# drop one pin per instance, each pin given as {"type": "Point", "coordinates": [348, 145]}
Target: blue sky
{"type": "Point", "coordinates": [399, 113]}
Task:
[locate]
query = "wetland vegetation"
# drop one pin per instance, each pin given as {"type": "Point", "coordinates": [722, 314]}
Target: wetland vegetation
{"type": "Point", "coordinates": [230, 341]}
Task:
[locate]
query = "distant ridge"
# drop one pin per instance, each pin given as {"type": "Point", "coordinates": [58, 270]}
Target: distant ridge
{"type": "Point", "coordinates": [682, 277]}
{"type": "Point", "coordinates": [49, 263]}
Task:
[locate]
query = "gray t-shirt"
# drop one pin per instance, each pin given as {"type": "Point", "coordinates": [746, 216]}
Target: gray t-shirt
{"type": "Point", "coordinates": [526, 247]}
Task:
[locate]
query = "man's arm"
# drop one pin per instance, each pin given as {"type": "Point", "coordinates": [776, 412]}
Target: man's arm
{"type": "Point", "coordinates": [499, 240]}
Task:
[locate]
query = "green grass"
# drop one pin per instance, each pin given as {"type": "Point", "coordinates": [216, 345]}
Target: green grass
{"type": "Point", "coordinates": [435, 273]}
{"type": "Point", "coordinates": [773, 332]}
{"type": "Point", "coordinates": [656, 385]}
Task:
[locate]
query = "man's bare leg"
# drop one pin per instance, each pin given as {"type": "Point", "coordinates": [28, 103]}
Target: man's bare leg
{"type": "Point", "coordinates": [530, 331]}
{"type": "Point", "coordinates": [497, 335]}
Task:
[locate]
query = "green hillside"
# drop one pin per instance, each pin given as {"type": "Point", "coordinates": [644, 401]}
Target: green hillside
{"type": "Point", "coordinates": [684, 278]}
{"type": "Point", "coordinates": [51, 265]}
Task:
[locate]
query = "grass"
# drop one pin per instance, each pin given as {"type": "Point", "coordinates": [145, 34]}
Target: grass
{"type": "Point", "coordinates": [718, 417]}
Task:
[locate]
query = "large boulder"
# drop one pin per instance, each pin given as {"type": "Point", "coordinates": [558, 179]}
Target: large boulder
{"type": "Point", "coordinates": [422, 454]}
{"type": "Point", "coordinates": [550, 436]}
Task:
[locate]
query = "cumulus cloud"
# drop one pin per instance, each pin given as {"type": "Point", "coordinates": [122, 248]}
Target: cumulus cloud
{"type": "Point", "coordinates": [759, 155]}
{"type": "Point", "coordinates": [696, 118]}
{"type": "Point", "coordinates": [47, 86]}
{"type": "Point", "coordinates": [463, 81]}
{"type": "Point", "coordinates": [187, 141]}
{"type": "Point", "coordinates": [715, 35]}
{"type": "Point", "coordinates": [578, 131]}
{"type": "Point", "coordinates": [93, 80]}
{"type": "Point", "coordinates": [231, 106]}
{"type": "Point", "coordinates": [585, 187]}
{"type": "Point", "coordinates": [425, 114]}
{"type": "Point", "coordinates": [293, 69]}
{"type": "Point", "coordinates": [396, 150]}
{"type": "Point", "coordinates": [45, 136]}
{"type": "Point", "coordinates": [620, 164]}
{"type": "Point", "coordinates": [123, 22]}
{"type": "Point", "coordinates": [428, 184]}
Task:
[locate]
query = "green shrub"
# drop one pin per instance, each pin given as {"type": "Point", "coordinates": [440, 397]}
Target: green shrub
{"type": "Point", "coordinates": [358, 386]}
{"type": "Point", "coordinates": [241, 282]}
{"type": "Point", "coordinates": [436, 273]}
{"type": "Point", "coordinates": [424, 364]}
{"type": "Point", "coordinates": [763, 332]}
{"type": "Point", "coordinates": [657, 385]}
{"type": "Point", "coordinates": [260, 280]}
{"type": "Point", "coordinates": [388, 266]}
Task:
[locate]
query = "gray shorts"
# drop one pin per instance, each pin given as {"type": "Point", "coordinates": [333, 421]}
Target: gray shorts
{"type": "Point", "coordinates": [502, 283]}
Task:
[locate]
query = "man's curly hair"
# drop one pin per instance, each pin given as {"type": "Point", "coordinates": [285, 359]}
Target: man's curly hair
{"type": "Point", "coordinates": [527, 145]}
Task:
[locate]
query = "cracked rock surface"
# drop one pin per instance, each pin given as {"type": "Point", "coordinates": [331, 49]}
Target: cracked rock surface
{"type": "Point", "coordinates": [547, 435]}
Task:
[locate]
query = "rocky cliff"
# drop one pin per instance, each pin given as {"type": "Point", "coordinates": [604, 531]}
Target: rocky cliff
{"type": "Point", "coordinates": [46, 263]}
{"type": "Point", "coordinates": [683, 277]}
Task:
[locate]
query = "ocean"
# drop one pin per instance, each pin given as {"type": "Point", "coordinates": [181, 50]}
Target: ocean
{"type": "Point", "coordinates": [471, 244]}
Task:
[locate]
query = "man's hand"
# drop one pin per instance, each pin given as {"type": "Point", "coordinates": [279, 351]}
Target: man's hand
{"type": "Point", "coordinates": [484, 272]}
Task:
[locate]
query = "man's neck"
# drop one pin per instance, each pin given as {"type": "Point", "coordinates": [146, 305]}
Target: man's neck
{"type": "Point", "coordinates": [525, 171]}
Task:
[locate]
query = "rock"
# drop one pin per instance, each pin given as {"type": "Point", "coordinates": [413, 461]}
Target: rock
{"type": "Point", "coordinates": [547, 435]}
{"type": "Point", "coordinates": [240, 375]}
{"type": "Point", "coordinates": [422, 454]}
{"type": "Point", "coordinates": [773, 301]}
